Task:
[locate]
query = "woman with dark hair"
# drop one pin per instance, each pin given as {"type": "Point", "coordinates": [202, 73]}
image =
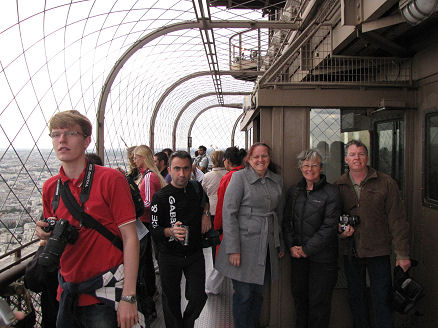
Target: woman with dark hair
{"type": "Point", "coordinates": [232, 160]}
{"type": "Point", "coordinates": [250, 250]}
{"type": "Point", "coordinates": [310, 223]}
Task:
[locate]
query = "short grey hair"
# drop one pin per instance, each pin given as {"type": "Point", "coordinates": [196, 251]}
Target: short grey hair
{"type": "Point", "coordinates": [309, 155]}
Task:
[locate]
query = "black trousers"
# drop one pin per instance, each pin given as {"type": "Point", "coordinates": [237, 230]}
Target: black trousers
{"type": "Point", "coordinates": [171, 269]}
{"type": "Point", "coordinates": [312, 289]}
{"type": "Point", "coordinates": [146, 284]}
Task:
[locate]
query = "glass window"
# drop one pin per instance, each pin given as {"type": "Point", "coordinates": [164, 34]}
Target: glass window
{"type": "Point", "coordinates": [431, 177]}
{"type": "Point", "coordinates": [330, 130]}
{"type": "Point", "coordinates": [389, 146]}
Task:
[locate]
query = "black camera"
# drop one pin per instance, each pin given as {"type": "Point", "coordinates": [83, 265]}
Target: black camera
{"type": "Point", "coordinates": [346, 220]}
{"type": "Point", "coordinates": [62, 233]}
{"type": "Point", "coordinates": [51, 225]}
{"type": "Point", "coordinates": [407, 291]}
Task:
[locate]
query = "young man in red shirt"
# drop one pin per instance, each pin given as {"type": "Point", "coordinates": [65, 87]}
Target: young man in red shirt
{"type": "Point", "coordinates": [93, 261]}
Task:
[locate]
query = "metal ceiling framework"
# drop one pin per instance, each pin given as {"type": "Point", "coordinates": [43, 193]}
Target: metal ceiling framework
{"type": "Point", "coordinates": [192, 101]}
{"type": "Point", "coordinates": [237, 105]}
{"type": "Point", "coordinates": [156, 34]}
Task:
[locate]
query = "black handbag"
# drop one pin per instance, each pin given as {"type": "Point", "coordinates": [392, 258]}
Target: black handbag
{"type": "Point", "coordinates": [210, 238]}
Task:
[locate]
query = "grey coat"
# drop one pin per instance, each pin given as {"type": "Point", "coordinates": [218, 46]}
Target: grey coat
{"type": "Point", "coordinates": [252, 213]}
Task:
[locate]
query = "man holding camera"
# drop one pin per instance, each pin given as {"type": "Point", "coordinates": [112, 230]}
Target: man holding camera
{"type": "Point", "coordinates": [180, 214]}
{"type": "Point", "coordinates": [95, 273]}
{"type": "Point", "coordinates": [375, 198]}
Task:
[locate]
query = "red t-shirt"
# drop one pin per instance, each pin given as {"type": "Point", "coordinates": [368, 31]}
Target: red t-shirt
{"type": "Point", "coordinates": [111, 204]}
{"type": "Point", "coordinates": [149, 185]}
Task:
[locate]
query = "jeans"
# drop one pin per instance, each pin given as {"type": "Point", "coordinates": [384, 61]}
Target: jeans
{"type": "Point", "coordinates": [97, 316]}
{"type": "Point", "coordinates": [171, 269]}
{"type": "Point", "coordinates": [379, 272]}
{"type": "Point", "coordinates": [247, 304]}
{"type": "Point", "coordinates": [312, 289]}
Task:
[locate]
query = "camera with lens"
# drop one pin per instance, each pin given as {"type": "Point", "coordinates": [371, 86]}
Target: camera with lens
{"type": "Point", "coordinates": [346, 220]}
{"type": "Point", "coordinates": [51, 225]}
{"type": "Point", "coordinates": [62, 233]}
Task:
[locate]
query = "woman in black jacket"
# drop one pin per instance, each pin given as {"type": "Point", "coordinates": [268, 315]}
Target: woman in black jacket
{"type": "Point", "coordinates": [310, 232]}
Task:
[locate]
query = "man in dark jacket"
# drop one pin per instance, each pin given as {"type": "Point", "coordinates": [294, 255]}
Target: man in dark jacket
{"type": "Point", "coordinates": [375, 198]}
{"type": "Point", "coordinates": [180, 213]}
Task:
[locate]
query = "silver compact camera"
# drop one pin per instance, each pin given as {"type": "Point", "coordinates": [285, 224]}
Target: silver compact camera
{"type": "Point", "coordinates": [7, 317]}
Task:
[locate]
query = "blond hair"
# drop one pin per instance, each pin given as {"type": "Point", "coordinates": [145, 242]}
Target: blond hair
{"type": "Point", "coordinates": [148, 159]}
{"type": "Point", "coordinates": [217, 158]}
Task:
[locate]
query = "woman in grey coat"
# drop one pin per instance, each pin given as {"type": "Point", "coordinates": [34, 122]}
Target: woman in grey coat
{"type": "Point", "coordinates": [250, 250]}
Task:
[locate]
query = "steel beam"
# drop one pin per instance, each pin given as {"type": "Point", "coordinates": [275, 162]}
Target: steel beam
{"type": "Point", "coordinates": [178, 83]}
{"type": "Point", "coordinates": [106, 88]}
{"type": "Point", "coordinates": [184, 108]}
{"type": "Point", "coordinates": [189, 132]}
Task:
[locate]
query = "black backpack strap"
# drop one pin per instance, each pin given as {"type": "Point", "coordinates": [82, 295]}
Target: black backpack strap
{"type": "Point", "coordinates": [85, 219]}
{"type": "Point", "coordinates": [200, 192]}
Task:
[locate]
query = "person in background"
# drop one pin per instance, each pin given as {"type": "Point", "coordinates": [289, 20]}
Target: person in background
{"type": "Point", "coordinates": [201, 160]}
{"type": "Point", "coordinates": [310, 224]}
{"type": "Point", "coordinates": [375, 198]}
{"type": "Point", "coordinates": [168, 152]}
{"type": "Point", "coordinates": [94, 158]}
{"type": "Point", "coordinates": [233, 162]}
{"type": "Point", "coordinates": [210, 183]}
{"type": "Point", "coordinates": [160, 160]}
{"type": "Point", "coordinates": [149, 184]}
{"type": "Point", "coordinates": [251, 247]}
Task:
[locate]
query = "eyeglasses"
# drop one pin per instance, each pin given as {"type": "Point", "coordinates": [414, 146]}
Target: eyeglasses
{"type": "Point", "coordinates": [307, 166]}
{"type": "Point", "coordinates": [67, 134]}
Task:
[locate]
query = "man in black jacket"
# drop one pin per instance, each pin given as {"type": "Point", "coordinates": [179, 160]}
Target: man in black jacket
{"type": "Point", "coordinates": [179, 216]}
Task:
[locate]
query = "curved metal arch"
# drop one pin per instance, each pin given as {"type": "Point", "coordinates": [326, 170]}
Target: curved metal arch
{"type": "Point", "coordinates": [184, 108]}
{"type": "Point", "coordinates": [234, 128]}
{"type": "Point", "coordinates": [160, 32]}
{"type": "Point", "coordinates": [178, 83]}
{"type": "Point", "coordinates": [189, 132]}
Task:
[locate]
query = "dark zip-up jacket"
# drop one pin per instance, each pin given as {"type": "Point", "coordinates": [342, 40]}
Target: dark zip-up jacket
{"type": "Point", "coordinates": [314, 223]}
{"type": "Point", "coordinates": [382, 216]}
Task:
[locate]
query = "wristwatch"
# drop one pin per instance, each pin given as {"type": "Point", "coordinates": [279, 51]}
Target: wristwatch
{"type": "Point", "coordinates": [207, 213]}
{"type": "Point", "coordinates": [129, 298]}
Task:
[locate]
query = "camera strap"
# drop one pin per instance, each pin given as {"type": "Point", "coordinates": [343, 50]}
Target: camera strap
{"type": "Point", "coordinates": [85, 189]}
{"type": "Point", "coordinates": [63, 191]}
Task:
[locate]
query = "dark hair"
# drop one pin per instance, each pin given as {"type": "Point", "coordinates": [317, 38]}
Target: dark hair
{"type": "Point", "coordinates": [180, 154]}
{"type": "Point", "coordinates": [162, 156]}
{"type": "Point", "coordinates": [357, 143]}
{"type": "Point", "coordinates": [168, 151]}
{"type": "Point", "coordinates": [94, 159]}
{"type": "Point", "coordinates": [203, 148]}
{"type": "Point", "coordinates": [235, 155]}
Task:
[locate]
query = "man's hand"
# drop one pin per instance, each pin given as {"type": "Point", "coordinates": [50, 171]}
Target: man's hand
{"type": "Point", "coordinates": [404, 264]}
{"type": "Point", "coordinates": [178, 232]}
{"type": "Point", "coordinates": [235, 259]}
{"type": "Point", "coordinates": [206, 223]}
{"type": "Point", "coordinates": [127, 315]}
{"type": "Point", "coordinates": [297, 252]}
{"type": "Point", "coordinates": [280, 254]}
{"type": "Point", "coordinates": [349, 231]}
{"type": "Point", "coordinates": [40, 232]}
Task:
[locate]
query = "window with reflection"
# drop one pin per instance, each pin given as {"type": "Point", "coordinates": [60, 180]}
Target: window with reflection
{"type": "Point", "coordinates": [431, 163]}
